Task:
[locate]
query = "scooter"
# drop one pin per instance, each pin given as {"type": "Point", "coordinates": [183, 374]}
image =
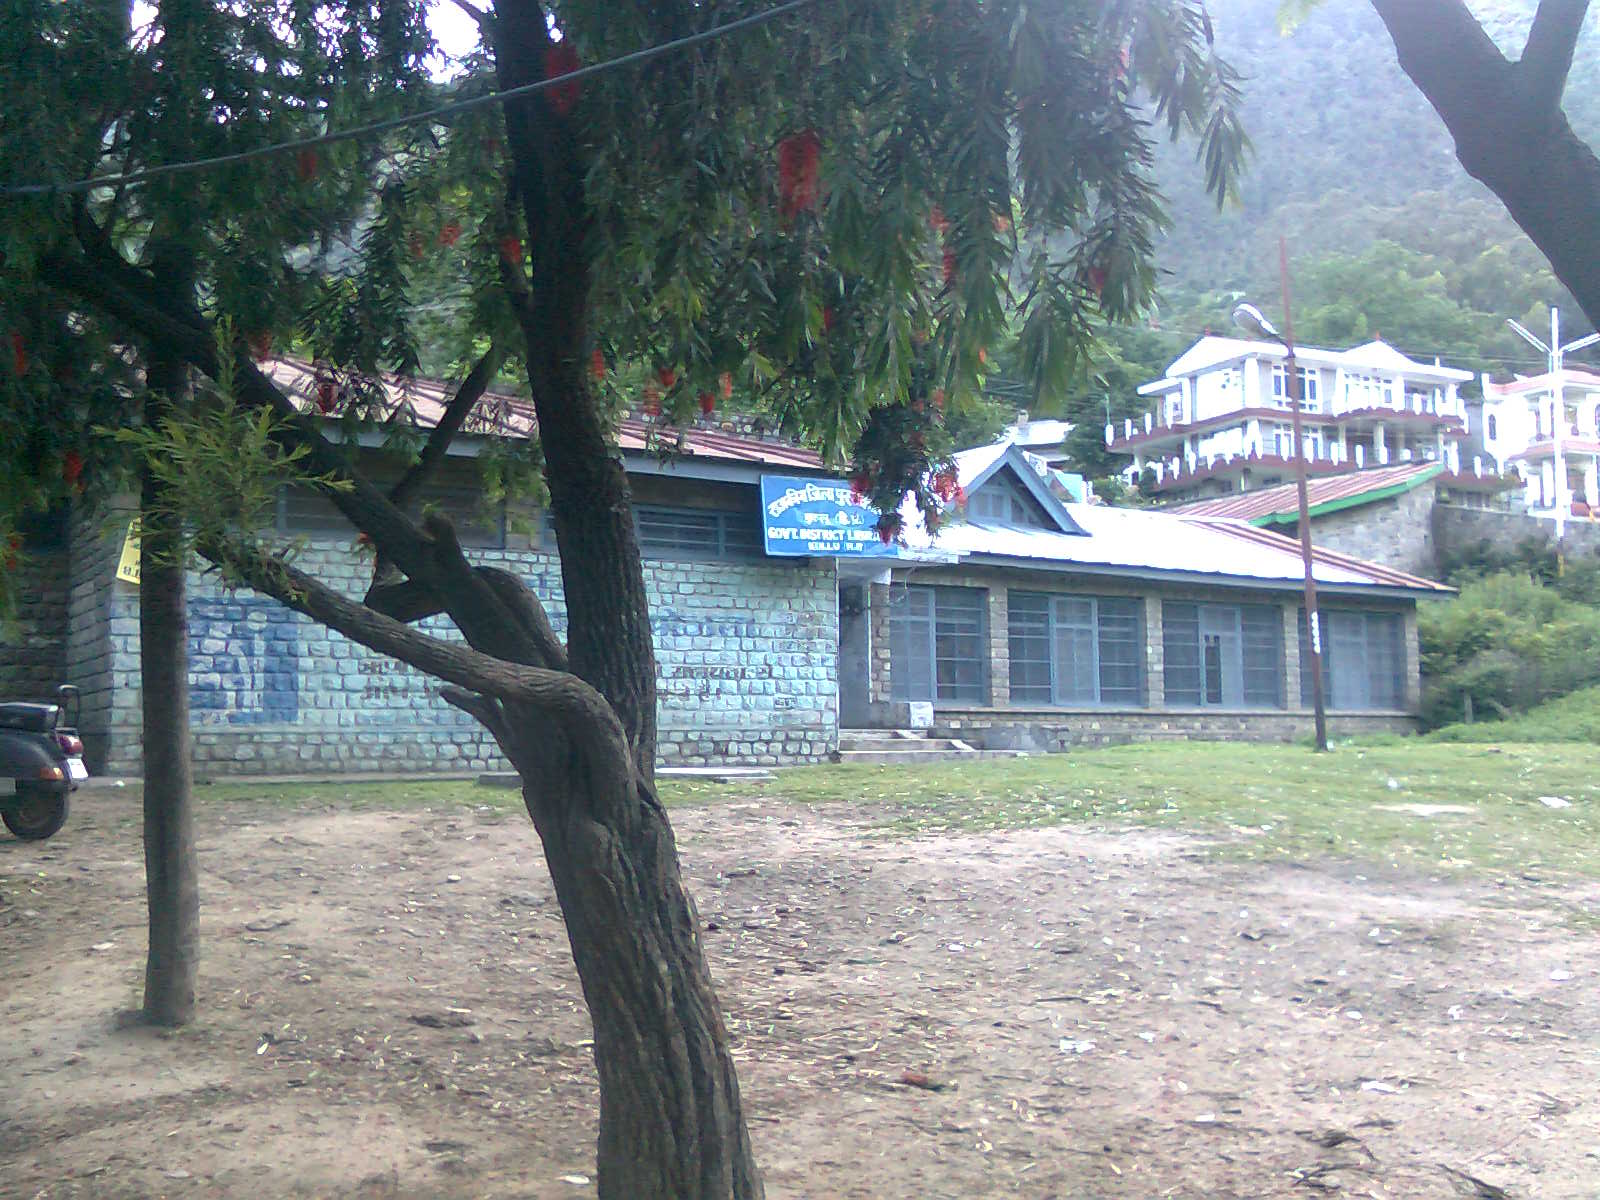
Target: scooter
{"type": "Point", "coordinates": [41, 763]}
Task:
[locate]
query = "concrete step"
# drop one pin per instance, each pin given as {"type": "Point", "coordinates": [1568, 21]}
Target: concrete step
{"type": "Point", "coordinates": [922, 755]}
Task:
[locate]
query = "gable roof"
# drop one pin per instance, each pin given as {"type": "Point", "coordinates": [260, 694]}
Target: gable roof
{"type": "Point", "coordinates": [976, 467]}
{"type": "Point", "coordinates": [1141, 543]}
{"type": "Point", "coordinates": [1324, 494]}
{"type": "Point", "coordinates": [1213, 351]}
{"type": "Point", "coordinates": [505, 415]}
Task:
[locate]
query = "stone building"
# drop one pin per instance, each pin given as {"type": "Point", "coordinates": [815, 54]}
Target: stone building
{"type": "Point", "coordinates": [1034, 624]}
{"type": "Point", "coordinates": [1382, 514]}
{"type": "Point", "coordinates": [779, 619]}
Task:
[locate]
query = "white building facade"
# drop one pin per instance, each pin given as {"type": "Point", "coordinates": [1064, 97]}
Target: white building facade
{"type": "Point", "coordinates": [1221, 417]}
{"type": "Point", "coordinates": [1546, 429]}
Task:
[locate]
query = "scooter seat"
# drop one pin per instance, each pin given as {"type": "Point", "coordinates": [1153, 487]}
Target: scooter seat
{"type": "Point", "coordinates": [33, 718]}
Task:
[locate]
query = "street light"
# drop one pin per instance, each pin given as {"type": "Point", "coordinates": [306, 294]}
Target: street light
{"type": "Point", "coordinates": [1251, 319]}
{"type": "Point", "coordinates": [1558, 386]}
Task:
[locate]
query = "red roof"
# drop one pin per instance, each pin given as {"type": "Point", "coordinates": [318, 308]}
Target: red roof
{"type": "Point", "coordinates": [501, 414]}
{"type": "Point", "coordinates": [1347, 490]}
{"type": "Point", "coordinates": [1248, 506]}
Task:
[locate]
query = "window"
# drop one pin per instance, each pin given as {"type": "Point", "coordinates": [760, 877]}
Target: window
{"type": "Point", "coordinates": [1076, 649]}
{"type": "Point", "coordinates": [697, 533]}
{"type": "Point", "coordinates": [1363, 660]}
{"type": "Point", "coordinates": [1175, 410]}
{"type": "Point", "coordinates": [1001, 502]}
{"type": "Point", "coordinates": [1494, 426]}
{"type": "Point", "coordinates": [938, 644]}
{"type": "Point", "coordinates": [307, 511]}
{"type": "Point", "coordinates": [1223, 655]}
{"type": "Point", "coordinates": [1280, 386]}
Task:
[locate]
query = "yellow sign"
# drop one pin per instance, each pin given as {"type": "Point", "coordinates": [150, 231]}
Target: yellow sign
{"type": "Point", "coordinates": [128, 564]}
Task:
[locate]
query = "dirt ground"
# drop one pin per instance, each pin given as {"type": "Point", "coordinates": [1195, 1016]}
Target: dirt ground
{"type": "Point", "coordinates": [389, 1010]}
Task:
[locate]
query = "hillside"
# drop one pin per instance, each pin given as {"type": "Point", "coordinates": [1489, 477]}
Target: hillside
{"type": "Point", "coordinates": [1346, 149]}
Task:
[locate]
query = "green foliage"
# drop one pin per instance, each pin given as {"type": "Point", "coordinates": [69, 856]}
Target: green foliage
{"type": "Point", "coordinates": [1510, 643]}
{"type": "Point", "coordinates": [1571, 718]}
{"type": "Point", "coordinates": [222, 467]}
{"type": "Point", "coordinates": [1347, 153]}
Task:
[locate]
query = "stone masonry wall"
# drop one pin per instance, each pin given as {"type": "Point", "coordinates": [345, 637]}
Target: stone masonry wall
{"type": "Point", "coordinates": [1396, 532]}
{"type": "Point", "coordinates": [33, 642]}
{"type": "Point", "coordinates": [746, 658]}
{"type": "Point", "coordinates": [1456, 530]}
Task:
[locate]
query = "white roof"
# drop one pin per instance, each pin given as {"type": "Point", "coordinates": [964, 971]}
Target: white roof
{"type": "Point", "coordinates": [1376, 355]}
{"type": "Point", "coordinates": [1137, 540]}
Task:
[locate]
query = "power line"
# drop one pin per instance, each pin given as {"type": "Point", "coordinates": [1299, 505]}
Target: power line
{"type": "Point", "coordinates": [134, 178]}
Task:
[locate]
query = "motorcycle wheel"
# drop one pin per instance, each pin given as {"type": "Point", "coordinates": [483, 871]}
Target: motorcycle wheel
{"type": "Point", "coordinates": [38, 812]}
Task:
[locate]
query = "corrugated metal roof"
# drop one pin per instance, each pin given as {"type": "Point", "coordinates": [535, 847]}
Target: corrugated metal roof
{"type": "Point", "coordinates": [501, 414]}
{"type": "Point", "coordinates": [1139, 540]}
{"type": "Point", "coordinates": [1248, 506]}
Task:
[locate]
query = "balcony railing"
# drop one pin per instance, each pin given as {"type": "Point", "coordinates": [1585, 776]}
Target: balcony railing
{"type": "Point", "coordinates": [1414, 404]}
{"type": "Point", "coordinates": [1184, 470]}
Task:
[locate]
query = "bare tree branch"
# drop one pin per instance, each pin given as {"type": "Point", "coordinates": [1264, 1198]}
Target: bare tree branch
{"type": "Point", "coordinates": [1547, 54]}
{"type": "Point", "coordinates": [563, 696]}
{"type": "Point", "coordinates": [455, 415]}
{"type": "Point", "coordinates": [409, 601]}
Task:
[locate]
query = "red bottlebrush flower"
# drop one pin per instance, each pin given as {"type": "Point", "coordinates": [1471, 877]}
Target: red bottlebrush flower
{"type": "Point", "coordinates": [938, 221]}
{"type": "Point", "coordinates": [325, 394]}
{"type": "Point", "coordinates": [799, 156]}
{"type": "Point", "coordinates": [561, 59]}
{"type": "Point", "coordinates": [960, 496]}
{"type": "Point", "coordinates": [652, 400]}
{"type": "Point", "coordinates": [949, 265]}
{"type": "Point", "coordinates": [983, 357]}
{"type": "Point", "coordinates": [930, 522]}
{"type": "Point", "coordinates": [1002, 223]}
{"type": "Point", "coordinates": [260, 344]}
{"type": "Point", "coordinates": [861, 483]}
{"type": "Point", "coordinates": [597, 366]}
{"type": "Point", "coordinates": [708, 403]}
{"type": "Point", "coordinates": [305, 164]}
{"type": "Point", "coordinates": [416, 245]}
{"type": "Point", "coordinates": [19, 353]}
{"type": "Point", "coordinates": [1097, 280]}
{"type": "Point", "coordinates": [511, 249]}
{"type": "Point", "coordinates": [449, 233]}
{"type": "Point", "coordinates": [938, 398]}
{"type": "Point", "coordinates": [888, 527]}
{"type": "Point", "coordinates": [916, 406]}
{"type": "Point", "coordinates": [72, 467]}
{"type": "Point", "coordinates": [667, 376]}
{"type": "Point", "coordinates": [827, 320]}
{"type": "Point", "coordinates": [725, 381]}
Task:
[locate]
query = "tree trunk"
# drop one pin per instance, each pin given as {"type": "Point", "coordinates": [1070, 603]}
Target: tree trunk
{"type": "Point", "coordinates": [671, 1125]}
{"type": "Point", "coordinates": [1510, 132]}
{"type": "Point", "coordinates": [172, 888]}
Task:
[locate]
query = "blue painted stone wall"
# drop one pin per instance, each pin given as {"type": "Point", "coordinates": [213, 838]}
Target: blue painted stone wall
{"type": "Point", "coordinates": [746, 659]}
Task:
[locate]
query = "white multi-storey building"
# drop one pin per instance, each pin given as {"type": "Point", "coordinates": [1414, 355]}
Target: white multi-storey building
{"type": "Point", "coordinates": [1523, 432]}
{"type": "Point", "coordinates": [1221, 417]}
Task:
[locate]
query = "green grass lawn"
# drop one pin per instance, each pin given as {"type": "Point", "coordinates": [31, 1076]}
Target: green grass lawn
{"type": "Point", "coordinates": [1260, 801]}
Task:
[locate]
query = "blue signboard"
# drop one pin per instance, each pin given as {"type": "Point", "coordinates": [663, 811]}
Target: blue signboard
{"type": "Point", "coordinates": [816, 518]}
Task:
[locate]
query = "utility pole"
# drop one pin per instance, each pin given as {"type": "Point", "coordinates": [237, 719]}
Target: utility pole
{"type": "Point", "coordinates": [1249, 318]}
{"type": "Point", "coordinates": [1556, 356]}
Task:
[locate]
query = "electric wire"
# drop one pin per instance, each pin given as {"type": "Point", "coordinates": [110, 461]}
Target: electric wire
{"type": "Point", "coordinates": [442, 112]}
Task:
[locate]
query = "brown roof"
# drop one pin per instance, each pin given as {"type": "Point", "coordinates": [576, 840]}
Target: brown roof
{"type": "Point", "coordinates": [1247, 506]}
{"type": "Point", "coordinates": [1380, 574]}
{"type": "Point", "coordinates": [501, 414]}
